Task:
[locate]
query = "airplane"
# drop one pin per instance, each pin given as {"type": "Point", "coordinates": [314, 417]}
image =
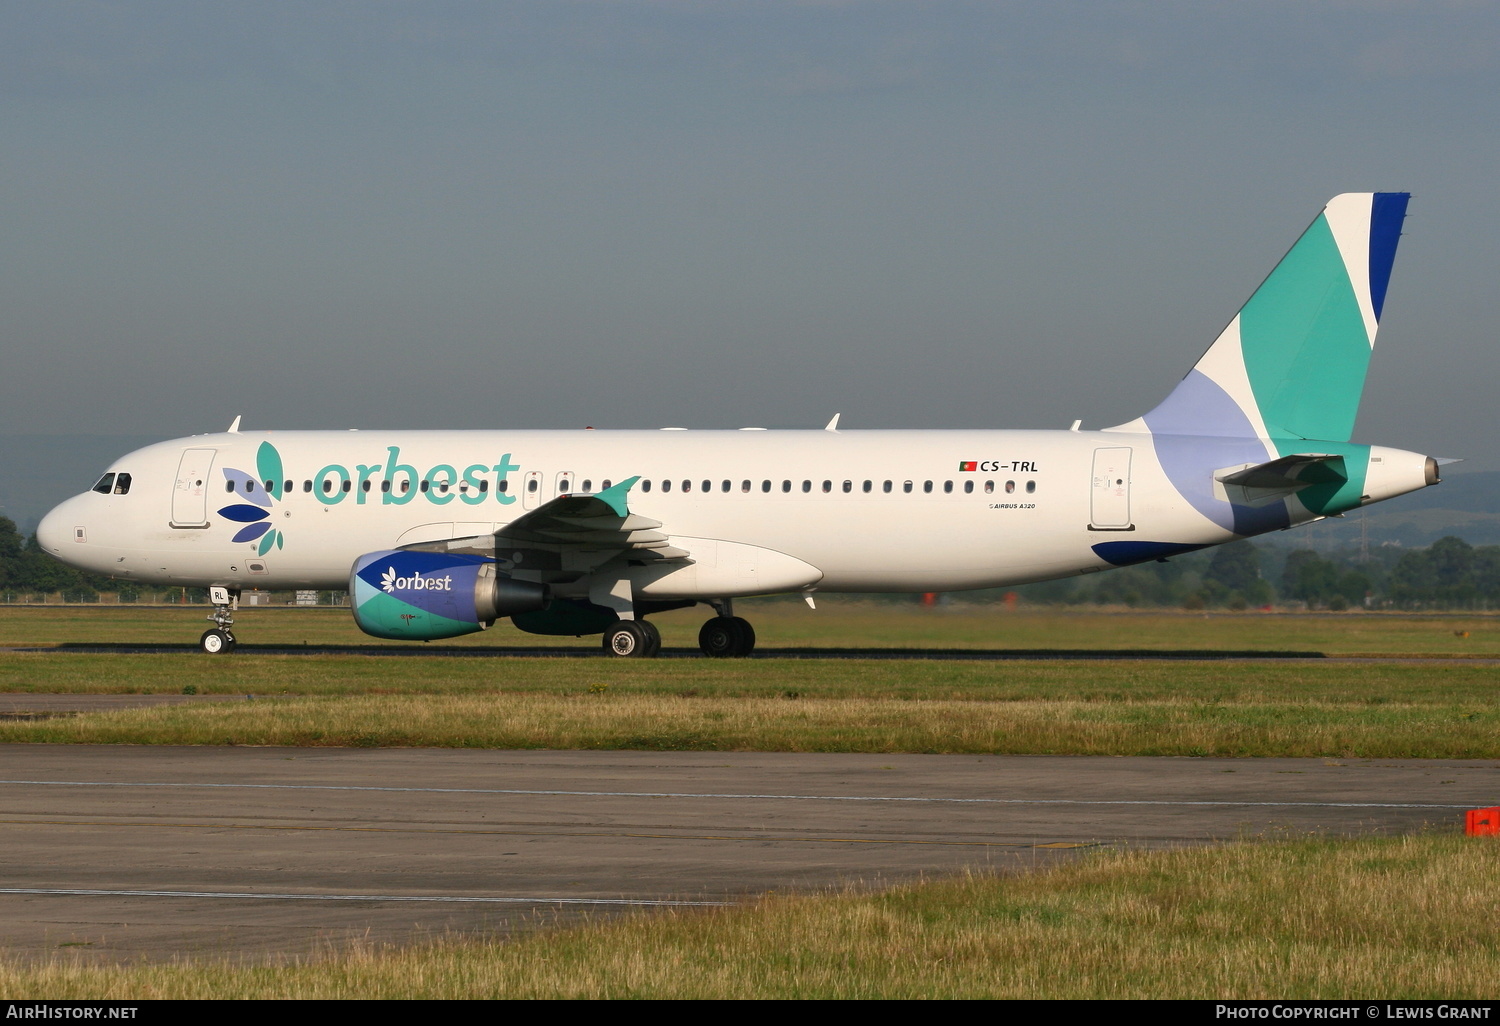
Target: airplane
{"type": "Point", "coordinates": [437, 534]}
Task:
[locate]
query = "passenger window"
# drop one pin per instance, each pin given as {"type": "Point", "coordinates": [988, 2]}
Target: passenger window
{"type": "Point", "coordinates": [827, 486]}
{"type": "Point", "coordinates": [229, 486]}
{"type": "Point", "coordinates": [1030, 487]}
{"type": "Point", "coordinates": [249, 487]}
{"type": "Point", "coordinates": [868, 485]}
{"type": "Point", "coordinates": [287, 489]}
{"type": "Point", "coordinates": [588, 485]}
{"type": "Point", "coordinates": [927, 487]}
{"type": "Point", "coordinates": [765, 486]}
{"type": "Point", "coordinates": [645, 486]}
{"type": "Point", "coordinates": [848, 487]}
{"type": "Point", "coordinates": [406, 485]}
{"type": "Point", "coordinates": [807, 486]}
{"type": "Point", "coordinates": [442, 487]}
{"type": "Point", "coordinates": [106, 483]}
{"type": "Point", "coordinates": [531, 486]}
{"type": "Point", "coordinates": [687, 486]}
{"type": "Point", "coordinates": [744, 486]}
{"type": "Point", "coordinates": [605, 488]}
{"type": "Point", "coordinates": [947, 487]}
{"type": "Point", "coordinates": [328, 486]}
{"type": "Point", "coordinates": [270, 487]}
{"type": "Point", "coordinates": [122, 484]}
{"type": "Point", "coordinates": [484, 487]}
{"type": "Point", "coordinates": [886, 487]}
{"type": "Point", "coordinates": [364, 485]}
{"type": "Point", "coordinates": [708, 486]}
{"type": "Point", "coordinates": [348, 485]}
{"type": "Point", "coordinates": [666, 486]}
{"type": "Point", "coordinates": [428, 484]}
{"type": "Point", "coordinates": [968, 487]}
{"type": "Point", "coordinates": [989, 486]}
{"type": "Point", "coordinates": [385, 486]}
{"type": "Point", "coordinates": [307, 486]}
{"type": "Point", "coordinates": [1010, 486]}
{"type": "Point", "coordinates": [786, 486]}
{"type": "Point", "coordinates": [906, 486]}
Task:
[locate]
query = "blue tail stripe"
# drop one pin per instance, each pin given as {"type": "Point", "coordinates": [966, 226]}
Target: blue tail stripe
{"type": "Point", "coordinates": [1386, 214]}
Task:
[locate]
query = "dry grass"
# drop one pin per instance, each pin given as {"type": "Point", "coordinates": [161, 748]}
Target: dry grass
{"type": "Point", "coordinates": [587, 720]}
{"type": "Point", "coordinates": [1407, 917]}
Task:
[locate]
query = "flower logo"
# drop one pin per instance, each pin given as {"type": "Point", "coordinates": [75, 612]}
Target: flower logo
{"type": "Point", "coordinates": [388, 579]}
{"type": "Point", "coordinates": [261, 492]}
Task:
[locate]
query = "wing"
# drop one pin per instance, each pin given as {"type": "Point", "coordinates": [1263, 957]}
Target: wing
{"type": "Point", "coordinates": [570, 537]}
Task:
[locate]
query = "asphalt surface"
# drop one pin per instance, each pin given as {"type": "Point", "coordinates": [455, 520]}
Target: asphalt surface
{"type": "Point", "coordinates": [125, 853]}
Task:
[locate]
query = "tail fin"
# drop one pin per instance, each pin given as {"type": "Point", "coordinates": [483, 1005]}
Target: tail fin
{"type": "Point", "coordinates": [1292, 362]}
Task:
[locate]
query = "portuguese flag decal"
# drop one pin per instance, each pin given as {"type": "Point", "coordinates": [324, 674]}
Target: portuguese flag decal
{"type": "Point", "coordinates": [967, 465]}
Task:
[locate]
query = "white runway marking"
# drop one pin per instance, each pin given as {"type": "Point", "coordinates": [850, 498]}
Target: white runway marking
{"type": "Point", "coordinates": [756, 797]}
{"type": "Point", "coordinates": [354, 897]}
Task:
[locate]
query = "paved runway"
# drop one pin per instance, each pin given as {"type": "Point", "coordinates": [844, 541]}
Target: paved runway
{"type": "Point", "coordinates": [126, 852]}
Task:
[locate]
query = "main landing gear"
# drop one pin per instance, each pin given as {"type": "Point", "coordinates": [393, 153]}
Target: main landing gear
{"type": "Point", "coordinates": [219, 639]}
{"type": "Point", "coordinates": [632, 639]}
{"type": "Point", "coordinates": [723, 637]}
{"type": "Point", "coordinates": [726, 637]}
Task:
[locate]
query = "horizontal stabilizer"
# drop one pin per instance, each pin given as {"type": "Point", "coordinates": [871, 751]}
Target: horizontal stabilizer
{"type": "Point", "coordinates": [1263, 483]}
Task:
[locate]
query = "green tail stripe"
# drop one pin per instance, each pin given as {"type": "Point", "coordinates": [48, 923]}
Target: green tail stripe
{"type": "Point", "coordinates": [1304, 342]}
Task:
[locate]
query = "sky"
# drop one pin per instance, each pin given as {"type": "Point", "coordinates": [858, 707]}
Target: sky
{"type": "Point", "coordinates": [708, 214]}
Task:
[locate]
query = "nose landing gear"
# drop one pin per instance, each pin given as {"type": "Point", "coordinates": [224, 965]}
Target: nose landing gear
{"type": "Point", "coordinates": [219, 640]}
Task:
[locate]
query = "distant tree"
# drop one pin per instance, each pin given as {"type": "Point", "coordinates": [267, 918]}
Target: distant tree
{"type": "Point", "coordinates": [1236, 566]}
{"type": "Point", "coordinates": [10, 552]}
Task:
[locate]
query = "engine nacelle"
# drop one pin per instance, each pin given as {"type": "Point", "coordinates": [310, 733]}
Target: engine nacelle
{"type": "Point", "coordinates": [422, 596]}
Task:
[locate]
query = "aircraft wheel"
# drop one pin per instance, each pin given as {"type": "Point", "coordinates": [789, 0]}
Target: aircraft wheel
{"type": "Point", "coordinates": [726, 637]}
{"type": "Point", "coordinates": [653, 638]}
{"type": "Point", "coordinates": [629, 639]}
{"type": "Point", "coordinates": [216, 641]}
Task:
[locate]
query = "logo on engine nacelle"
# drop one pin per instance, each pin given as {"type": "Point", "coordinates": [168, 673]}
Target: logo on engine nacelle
{"type": "Point", "coordinates": [391, 583]}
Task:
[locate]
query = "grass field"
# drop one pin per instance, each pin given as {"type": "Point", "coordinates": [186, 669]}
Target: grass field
{"type": "Point", "coordinates": [1385, 709]}
{"type": "Point", "coordinates": [1388, 918]}
{"type": "Point", "coordinates": [836, 623]}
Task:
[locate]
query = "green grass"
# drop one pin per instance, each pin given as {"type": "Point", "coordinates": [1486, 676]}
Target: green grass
{"type": "Point", "coordinates": [1249, 707]}
{"type": "Point", "coordinates": [1400, 918]}
{"type": "Point", "coordinates": [837, 623]}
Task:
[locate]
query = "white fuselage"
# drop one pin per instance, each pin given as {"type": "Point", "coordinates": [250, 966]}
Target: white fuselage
{"type": "Point", "coordinates": [869, 510]}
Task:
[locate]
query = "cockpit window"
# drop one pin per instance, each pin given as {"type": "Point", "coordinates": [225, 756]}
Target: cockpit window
{"type": "Point", "coordinates": [106, 484]}
{"type": "Point", "coordinates": [122, 484]}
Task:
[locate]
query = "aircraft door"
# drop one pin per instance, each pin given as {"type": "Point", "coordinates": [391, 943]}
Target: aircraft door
{"type": "Point", "coordinates": [190, 494]}
{"type": "Point", "coordinates": [531, 490]}
{"type": "Point", "coordinates": [1109, 497]}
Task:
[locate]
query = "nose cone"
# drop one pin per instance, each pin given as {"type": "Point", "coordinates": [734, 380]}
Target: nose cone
{"type": "Point", "coordinates": [55, 531]}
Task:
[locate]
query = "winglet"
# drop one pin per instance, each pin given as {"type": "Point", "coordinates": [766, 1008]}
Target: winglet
{"type": "Point", "coordinates": [833, 425]}
{"type": "Point", "coordinates": [234, 428]}
{"type": "Point", "coordinates": [615, 496]}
